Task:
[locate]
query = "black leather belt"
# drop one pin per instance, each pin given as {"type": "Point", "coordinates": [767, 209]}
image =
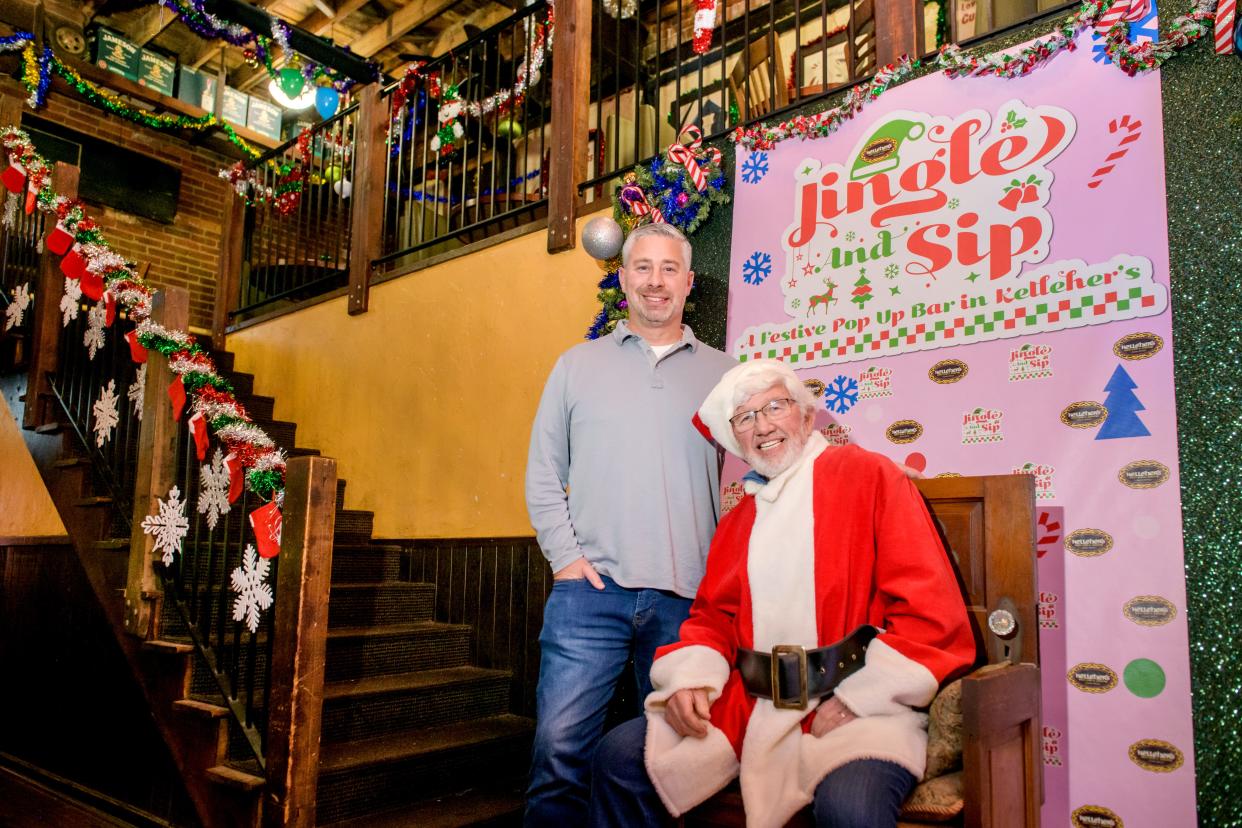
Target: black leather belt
{"type": "Point", "coordinates": [798, 674]}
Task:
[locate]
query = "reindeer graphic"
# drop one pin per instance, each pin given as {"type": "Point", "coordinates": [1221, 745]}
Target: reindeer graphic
{"type": "Point", "coordinates": [826, 298]}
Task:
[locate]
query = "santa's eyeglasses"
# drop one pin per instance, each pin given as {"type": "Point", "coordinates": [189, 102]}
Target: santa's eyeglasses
{"type": "Point", "coordinates": [772, 409]}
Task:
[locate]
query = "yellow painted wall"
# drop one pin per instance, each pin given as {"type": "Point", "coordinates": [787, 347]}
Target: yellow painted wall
{"type": "Point", "coordinates": [26, 509]}
{"type": "Point", "coordinates": [426, 400]}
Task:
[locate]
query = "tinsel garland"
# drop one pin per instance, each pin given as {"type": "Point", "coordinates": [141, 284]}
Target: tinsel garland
{"type": "Point", "coordinates": [1130, 58]}
{"type": "Point", "coordinates": [209, 392]}
{"type": "Point", "coordinates": [669, 187]}
{"type": "Point", "coordinates": [37, 76]}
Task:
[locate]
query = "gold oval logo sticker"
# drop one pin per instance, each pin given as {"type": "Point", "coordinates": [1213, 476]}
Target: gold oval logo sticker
{"type": "Point", "coordinates": [904, 431]}
{"type": "Point", "coordinates": [1156, 756]}
{"type": "Point", "coordinates": [1143, 474]}
{"type": "Point", "coordinates": [1150, 610]}
{"type": "Point", "coordinates": [947, 371]}
{"type": "Point", "coordinates": [1138, 345]}
{"type": "Point", "coordinates": [949, 474]}
{"type": "Point", "coordinates": [878, 150]}
{"type": "Point", "coordinates": [1092, 678]}
{"type": "Point", "coordinates": [1095, 816]}
{"type": "Point", "coordinates": [1088, 543]}
{"type": "Point", "coordinates": [1084, 414]}
{"type": "Point", "coordinates": [816, 387]}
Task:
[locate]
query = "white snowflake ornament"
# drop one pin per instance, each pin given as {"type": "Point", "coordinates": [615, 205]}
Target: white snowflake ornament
{"type": "Point", "coordinates": [213, 495]}
{"type": "Point", "coordinates": [254, 594]}
{"type": "Point", "coordinates": [105, 412]}
{"type": "Point", "coordinates": [138, 390]}
{"type": "Point", "coordinates": [169, 527]}
{"type": "Point", "coordinates": [96, 317]}
{"type": "Point", "coordinates": [69, 302]}
{"type": "Point", "coordinates": [16, 310]}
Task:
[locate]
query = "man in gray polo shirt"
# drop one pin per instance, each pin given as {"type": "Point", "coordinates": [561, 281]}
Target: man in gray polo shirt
{"type": "Point", "coordinates": [623, 493]}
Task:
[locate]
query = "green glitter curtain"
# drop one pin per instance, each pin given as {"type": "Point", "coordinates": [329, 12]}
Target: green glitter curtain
{"type": "Point", "coordinates": [1203, 158]}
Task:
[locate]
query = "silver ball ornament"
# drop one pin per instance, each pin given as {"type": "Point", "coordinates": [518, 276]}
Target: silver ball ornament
{"type": "Point", "coordinates": [602, 237]}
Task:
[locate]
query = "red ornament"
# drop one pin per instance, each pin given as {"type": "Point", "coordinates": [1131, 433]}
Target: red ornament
{"type": "Point", "coordinates": [704, 25]}
{"type": "Point", "coordinates": [74, 263]}
{"type": "Point", "coordinates": [59, 240]}
{"type": "Point", "coordinates": [14, 177]}
{"type": "Point", "coordinates": [265, 523]}
{"type": "Point", "coordinates": [136, 352]}
{"type": "Point", "coordinates": [176, 394]}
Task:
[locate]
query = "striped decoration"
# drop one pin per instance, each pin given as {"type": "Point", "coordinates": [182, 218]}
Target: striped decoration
{"type": "Point", "coordinates": [1226, 11]}
{"type": "Point", "coordinates": [1133, 130]}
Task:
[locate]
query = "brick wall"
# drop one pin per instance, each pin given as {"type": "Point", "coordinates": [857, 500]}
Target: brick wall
{"type": "Point", "coordinates": [185, 253]}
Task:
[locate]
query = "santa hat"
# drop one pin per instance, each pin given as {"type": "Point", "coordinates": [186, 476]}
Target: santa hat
{"type": "Point", "coordinates": [712, 419]}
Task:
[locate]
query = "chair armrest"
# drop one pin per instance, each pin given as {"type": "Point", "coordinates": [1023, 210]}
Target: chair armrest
{"type": "Point", "coordinates": [1003, 768]}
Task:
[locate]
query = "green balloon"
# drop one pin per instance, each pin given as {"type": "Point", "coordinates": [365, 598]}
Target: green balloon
{"type": "Point", "coordinates": [1144, 678]}
{"type": "Point", "coordinates": [507, 128]}
{"type": "Point", "coordinates": [291, 81]}
{"type": "Point", "coordinates": [332, 174]}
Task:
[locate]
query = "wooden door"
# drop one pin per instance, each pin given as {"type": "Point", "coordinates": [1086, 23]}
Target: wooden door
{"type": "Point", "coordinates": [989, 525]}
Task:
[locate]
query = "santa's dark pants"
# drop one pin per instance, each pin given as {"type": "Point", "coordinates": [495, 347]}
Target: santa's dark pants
{"type": "Point", "coordinates": [866, 793]}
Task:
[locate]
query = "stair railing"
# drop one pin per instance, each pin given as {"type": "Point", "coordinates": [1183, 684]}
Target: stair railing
{"type": "Point", "coordinates": [258, 624]}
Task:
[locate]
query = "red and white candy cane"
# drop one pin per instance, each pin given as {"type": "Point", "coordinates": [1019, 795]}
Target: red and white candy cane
{"type": "Point", "coordinates": [635, 201]}
{"type": "Point", "coordinates": [1127, 10]}
{"type": "Point", "coordinates": [689, 153]}
{"type": "Point", "coordinates": [1133, 130]}
{"type": "Point", "coordinates": [1226, 14]}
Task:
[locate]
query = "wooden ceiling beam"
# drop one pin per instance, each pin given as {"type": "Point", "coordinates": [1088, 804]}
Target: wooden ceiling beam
{"type": "Point", "coordinates": [317, 22]}
{"type": "Point", "coordinates": [455, 34]}
{"type": "Point", "coordinates": [398, 24]}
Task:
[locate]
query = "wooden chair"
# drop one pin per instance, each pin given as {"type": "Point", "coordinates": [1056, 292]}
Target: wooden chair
{"type": "Point", "coordinates": [762, 63]}
{"type": "Point", "coordinates": [988, 523]}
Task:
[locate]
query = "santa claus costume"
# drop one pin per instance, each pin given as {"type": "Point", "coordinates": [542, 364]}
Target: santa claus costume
{"type": "Point", "coordinates": [840, 538]}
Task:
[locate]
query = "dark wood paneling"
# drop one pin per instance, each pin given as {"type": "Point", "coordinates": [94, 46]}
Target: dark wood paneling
{"type": "Point", "coordinates": [499, 587]}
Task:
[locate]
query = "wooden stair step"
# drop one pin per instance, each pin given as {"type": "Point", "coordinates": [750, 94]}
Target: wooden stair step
{"type": "Point", "coordinates": [50, 428]}
{"type": "Point", "coordinates": [464, 808]}
{"type": "Point", "coordinates": [400, 682]}
{"type": "Point", "coordinates": [342, 757]}
{"type": "Point", "coordinates": [70, 462]}
{"type": "Point", "coordinates": [367, 603]}
{"type": "Point", "coordinates": [94, 501]}
{"type": "Point", "coordinates": [357, 562]}
{"type": "Point", "coordinates": [357, 652]}
{"type": "Point", "coordinates": [112, 543]}
{"type": "Point", "coordinates": [201, 709]}
{"type": "Point", "coordinates": [166, 647]}
{"type": "Point", "coordinates": [234, 778]}
{"type": "Point", "coordinates": [353, 524]}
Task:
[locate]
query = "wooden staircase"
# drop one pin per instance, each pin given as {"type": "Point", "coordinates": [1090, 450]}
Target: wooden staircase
{"type": "Point", "coordinates": [412, 733]}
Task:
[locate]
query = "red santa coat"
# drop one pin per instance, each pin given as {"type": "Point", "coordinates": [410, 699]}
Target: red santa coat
{"type": "Point", "coordinates": [868, 554]}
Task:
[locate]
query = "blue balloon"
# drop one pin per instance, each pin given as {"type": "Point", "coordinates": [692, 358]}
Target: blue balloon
{"type": "Point", "coordinates": [327, 100]}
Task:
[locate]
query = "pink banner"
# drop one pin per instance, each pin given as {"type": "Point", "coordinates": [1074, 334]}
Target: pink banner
{"type": "Point", "coordinates": [978, 271]}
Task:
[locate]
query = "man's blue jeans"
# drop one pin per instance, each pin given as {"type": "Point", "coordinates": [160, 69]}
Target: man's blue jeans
{"type": "Point", "coordinates": [865, 793]}
{"type": "Point", "coordinates": [588, 637]}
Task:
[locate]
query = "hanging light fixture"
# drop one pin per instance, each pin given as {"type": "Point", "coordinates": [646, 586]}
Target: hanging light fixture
{"type": "Point", "coordinates": [301, 100]}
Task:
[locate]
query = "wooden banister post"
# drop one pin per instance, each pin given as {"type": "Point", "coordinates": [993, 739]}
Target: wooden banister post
{"type": "Point", "coordinates": [366, 209]}
{"type": "Point", "coordinates": [295, 693]}
{"type": "Point", "coordinates": [571, 90]}
{"type": "Point", "coordinates": [228, 281]}
{"type": "Point", "coordinates": [10, 111]}
{"type": "Point", "coordinates": [45, 325]}
{"type": "Point", "coordinates": [898, 29]}
{"type": "Point", "coordinates": [157, 467]}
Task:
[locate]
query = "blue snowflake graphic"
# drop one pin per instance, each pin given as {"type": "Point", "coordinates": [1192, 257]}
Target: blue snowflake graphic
{"type": "Point", "coordinates": [1141, 31]}
{"type": "Point", "coordinates": [841, 394]}
{"type": "Point", "coordinates": [755, 167]}
{"type": "Point", "coordinates": [757, 268]}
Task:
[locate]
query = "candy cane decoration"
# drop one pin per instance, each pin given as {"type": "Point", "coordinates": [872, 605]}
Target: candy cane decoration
{"type": "Point", "coordinates": [1127, 10]}
{"type": "Point", "coordinates": [1226, 11]}
{"type": "Point", "coordinates": [1134, 128]}
{"type": "Point", "coordinates": [689, 153]}
{"type": "Point", "coordinates": [635, 201]}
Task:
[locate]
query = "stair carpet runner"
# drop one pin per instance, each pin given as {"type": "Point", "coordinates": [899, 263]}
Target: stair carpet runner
{"type": "Point", "coordinates": [412, 733]}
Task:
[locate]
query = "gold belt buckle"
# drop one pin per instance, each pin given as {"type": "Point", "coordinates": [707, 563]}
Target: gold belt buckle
{"type": "Point", "coordinates": [788, 649]}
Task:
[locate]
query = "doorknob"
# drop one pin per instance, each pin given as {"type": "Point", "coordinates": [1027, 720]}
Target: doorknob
{"type": "Point", "coordinates": [1004, 644]}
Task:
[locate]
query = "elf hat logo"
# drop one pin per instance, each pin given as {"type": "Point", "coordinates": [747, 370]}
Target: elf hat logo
{"type": "Point", "coordinates": [1092, 678]}
{"type": "Point", "coordinates": [1088, 543]}
{"type": "Point", "coordinates": [1150, 610]}
{"type": "Point", "coordinates": [947, 371]}
{"type": "Point", "coordinates": [880, 152]}
{"type": "Point", "coordinates": [1143, 474]}
{"type": "Point", "coordinates": [904, 431]}
{"type": "Point", "coordinates": [1084, 414]}
{"type": "Point", "coordinates": [1138, 346]}
{"type": "Point", "coordinates": [1156, 756]}
{"type": "Point", "coordinates": [1095, 816]}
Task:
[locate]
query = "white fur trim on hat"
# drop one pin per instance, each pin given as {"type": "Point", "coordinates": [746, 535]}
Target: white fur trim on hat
{"type": "Point", "coordinates": [713, 416]}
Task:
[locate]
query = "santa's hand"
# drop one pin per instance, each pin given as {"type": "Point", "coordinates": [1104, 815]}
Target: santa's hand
{"type": "Point", "coordinates": [688, 712]}
{"type": "Point", "coordinates": [829, 716]}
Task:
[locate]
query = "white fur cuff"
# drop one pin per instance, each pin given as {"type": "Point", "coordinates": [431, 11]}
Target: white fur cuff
{"type": "Point", "coordinates": [685, 770]}
{"type": "Point", "coordinates": [689, 667]}
{"type": "Point", "coordinates": [889, 684]}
